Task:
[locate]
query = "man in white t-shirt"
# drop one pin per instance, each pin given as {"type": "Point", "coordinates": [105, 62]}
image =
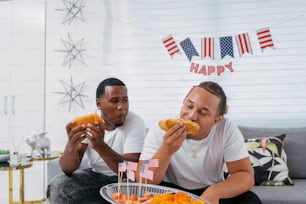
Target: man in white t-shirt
{"type": "Point", "coordinates": [195, 163]}
{"type": "Point", "coordinates": [120, 138]}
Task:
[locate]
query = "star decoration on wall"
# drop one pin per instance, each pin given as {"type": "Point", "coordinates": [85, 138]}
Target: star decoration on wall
{"type": "Point", "coordinates": [72, 94]}
{"type": "Point", "coordinates": [73, 9]}
{"type": "Point", "coordinates": [73, 51]}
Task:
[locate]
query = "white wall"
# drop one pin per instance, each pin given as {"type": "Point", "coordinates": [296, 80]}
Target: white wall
{"type": "Point", "coordinates": [265, 89]}
{"type": "Point", "coordinates": [122, 38]}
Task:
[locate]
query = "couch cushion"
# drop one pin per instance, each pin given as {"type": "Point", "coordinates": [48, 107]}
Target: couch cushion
{"type": "Point", "coordinates": [54, 169]}
{"type": "Point", "coordinates": [295, 143]}
{"type": "Point", "coordinates": [269, 160]}
{"type": "Point", "coordinates": [295, 194]}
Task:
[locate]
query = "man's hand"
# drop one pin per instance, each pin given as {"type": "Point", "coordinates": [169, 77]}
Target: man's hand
{"type": "Point", "coordinates": [95, 134]}
{"type": "Point", "coordinates": [75, 136]}
{"type": "Point", "coordinates": [174, 137]}
{"type": "Point", "coordinates": [210, 195]}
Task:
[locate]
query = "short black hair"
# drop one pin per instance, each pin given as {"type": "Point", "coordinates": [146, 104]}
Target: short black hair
{"type": "Point", "coordinates": [107, 82]}
{"type": "Point", "coordinates": [215, 89]}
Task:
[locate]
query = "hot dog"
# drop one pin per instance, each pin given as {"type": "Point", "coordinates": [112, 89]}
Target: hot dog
{"type": "Point", "coordinates": [85, 119]}
{"type": "Point", "coordinates": [191, 126]}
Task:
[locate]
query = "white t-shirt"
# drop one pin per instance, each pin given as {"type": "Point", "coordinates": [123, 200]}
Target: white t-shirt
{"type": "Point", "coordinates": [224, 143]}
{"type": "Point", "coordinates": [127, 138]}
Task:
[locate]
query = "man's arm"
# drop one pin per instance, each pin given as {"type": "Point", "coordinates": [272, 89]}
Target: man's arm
{"type": "Point", "coordinates": [112, 158]}
{"type": "Point", "coordinates": [240, 180]}
{"type": "Point", "coordinates": [95, 135]}
{"type": "Point", "coordinates": [164, 156]}
{"type": "Point", "coordinates": [172, 141]}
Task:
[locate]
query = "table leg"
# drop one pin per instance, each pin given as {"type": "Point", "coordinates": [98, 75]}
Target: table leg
{"type": "Point", "coordinates": [21, 186]}
{"type": "Point", "coordinates": [10, 186]}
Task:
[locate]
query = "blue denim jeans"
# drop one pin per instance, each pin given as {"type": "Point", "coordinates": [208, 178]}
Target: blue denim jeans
{"type": "Point", "coordinates": [81, 187]}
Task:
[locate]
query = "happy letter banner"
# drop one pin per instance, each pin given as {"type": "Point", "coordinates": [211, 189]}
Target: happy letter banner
{"type": "Point", "coordinates": [226, 45]}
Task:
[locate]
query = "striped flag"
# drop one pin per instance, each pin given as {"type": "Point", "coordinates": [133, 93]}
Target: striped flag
{"type": "Point", "coordinates": [189, 48]}
{"type": "Point", "coordinates": [130, 175]}
{"type": "Point", "coordinates": [146, 173]}
{"type": "Point", "coordinates": [265, 38]}
{"type": "Point", "coordinates": [226, 46]}
{"type": "Point", "coordinates": [207, 46]}
{"type": "Point", "coordinates": [122, 167]}
{"type": "Point", "coordinates": [131, 166]}
{"type": "Point", "coordinates": [243, 44]}
{"type": "Point", "coordinates": [171, 45]}
{"type": "Point", "coordinates": [151, 163]}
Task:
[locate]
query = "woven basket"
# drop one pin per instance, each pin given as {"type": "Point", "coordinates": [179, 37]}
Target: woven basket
{"type": "Point", "coordinates": [133, 188]}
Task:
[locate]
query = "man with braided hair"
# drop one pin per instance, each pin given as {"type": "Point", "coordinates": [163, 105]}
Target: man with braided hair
{"type": "Point", "coordinates": [195, 162]}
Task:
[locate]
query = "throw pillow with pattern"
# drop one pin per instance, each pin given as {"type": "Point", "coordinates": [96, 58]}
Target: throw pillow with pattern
{"type": "Point", "coordinates": [269, 160]}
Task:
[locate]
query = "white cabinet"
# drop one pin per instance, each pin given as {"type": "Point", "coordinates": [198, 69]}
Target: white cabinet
{"type": "Point", "coordinates": [21, 71]}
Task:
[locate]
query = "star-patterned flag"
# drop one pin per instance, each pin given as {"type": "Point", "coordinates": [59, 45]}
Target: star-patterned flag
{"type": "Point", "coordinates": [171, 45]}
{"type": "Point", "coordinates": [226, 46]}
{"type": "Point", "coordinates": [207, 45]}
{"type": "Point", "coordinates": [243, 44]}
{"type": "Point", "coordinates": [265, 38]}
{"type": "Point", "coordinates": [189, 48]}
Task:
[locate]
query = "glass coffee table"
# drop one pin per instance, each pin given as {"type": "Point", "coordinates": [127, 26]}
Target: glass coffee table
{"type": "Point", "coordinates": [5, 166]}
{"type": "Point", "coordinates": [43, 158]}
{"type": "Point", "coordinates": [27, 162]}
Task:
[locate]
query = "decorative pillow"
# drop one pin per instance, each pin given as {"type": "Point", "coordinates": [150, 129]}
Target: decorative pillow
{"type": "Point", "coordinates": [269, 160]}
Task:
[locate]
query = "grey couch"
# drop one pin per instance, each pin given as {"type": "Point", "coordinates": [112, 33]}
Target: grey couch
{"type": "Point", "coordinates": [295, 147]}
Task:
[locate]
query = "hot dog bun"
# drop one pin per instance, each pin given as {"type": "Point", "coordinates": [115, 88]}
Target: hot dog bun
{"type": "Point", "coordinates": [192, 127]}
{"type": "Point", "coordinates": [85, 119]}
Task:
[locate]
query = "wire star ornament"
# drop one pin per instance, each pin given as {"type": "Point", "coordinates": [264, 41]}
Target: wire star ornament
{"type": "Point", "coordinates": [73, 51]}
{"type": "Point", "coordinates": [72, 94]}
{"type": "Point", "coordinates": [73, 9]}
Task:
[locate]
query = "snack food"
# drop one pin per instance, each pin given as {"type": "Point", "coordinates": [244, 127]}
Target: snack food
{"type": "Point", "coordinates": [191, 126]}
{"type": "Point", "coordinates": [85, 119]}
{"type": "Point", "coordinates": [122, 198]}
{"type": "Point", "coordinates": [179, 197]}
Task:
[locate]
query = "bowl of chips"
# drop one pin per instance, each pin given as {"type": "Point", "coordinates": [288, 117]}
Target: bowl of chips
{"type": "Point", "coordinates": [145, 194]}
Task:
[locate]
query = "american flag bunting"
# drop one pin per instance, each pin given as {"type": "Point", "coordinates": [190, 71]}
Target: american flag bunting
{"type": "Point", "coordinates": [207, 47]}
{"type": "Point", "coordinates": [226, 46]}
{"type": "Point", "coordinates": [243, 44]}
{"type": "Point", "coordinates": [171, 45]}
{"type": "Point", "coordinates": [189, 48]}
{"type": "Point", "coordinates": [265, 38]}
